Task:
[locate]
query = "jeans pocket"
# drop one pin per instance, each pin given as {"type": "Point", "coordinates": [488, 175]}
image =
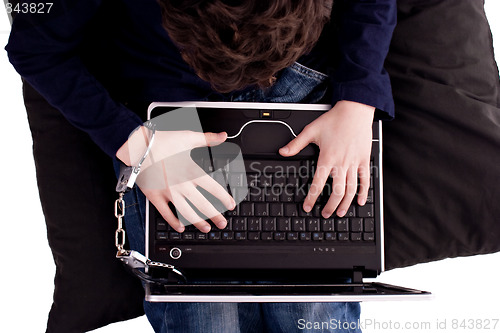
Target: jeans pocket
{"type": "Point", "coordinates": [295, 84]}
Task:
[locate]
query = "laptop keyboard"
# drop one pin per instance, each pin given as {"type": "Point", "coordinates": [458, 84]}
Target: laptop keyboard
{"type": "Point", "coordinates": [272, 194]}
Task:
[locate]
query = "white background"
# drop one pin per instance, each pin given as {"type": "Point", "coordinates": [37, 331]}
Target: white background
{"type": "Point", "coordinates": [463, 288]}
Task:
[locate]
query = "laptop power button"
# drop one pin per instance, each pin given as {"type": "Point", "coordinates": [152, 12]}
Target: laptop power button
{"type": "Point", "coordinates": [175, 253]}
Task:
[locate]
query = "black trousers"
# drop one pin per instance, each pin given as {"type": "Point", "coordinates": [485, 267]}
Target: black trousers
{"type": "Point", "coordinates": [76, 182]}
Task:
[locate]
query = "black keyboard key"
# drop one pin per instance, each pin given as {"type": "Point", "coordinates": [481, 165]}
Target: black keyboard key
{"type": "Point", "coordinates": [317, 236]}
{"type": "Point", "coordinates": [254, 235]}
{"type": "Point", "coordinates": [300, 193]}
{"type": "Point", "coordinates": [316, 211]}
{"type": "Point", "coordinates": [240, 235]}
{"type": "Point", "coordinates": [161, 226]}
{"type": "Point", "coordinates": [239, 223]}
{"type": "Point", "coordinates": [293, 180]}
{"type": "Point", "coordinates": [305, 236]}
{"type": "Point", "coordinates": [233, 212]}
{"type": "Point", "coordinates": [341, 225]}
{"type": "Point", "coordinates": [246, 209]}
{"type": "Point", "coordinates": [279, 235]}
{"type": "Point", "coordinates": [305, 177]}
{"type": "Point", "coordinates": [267, 236]}
{"type": "Point", "coordinates": [343, 236]}
{"type": "Point", "coordinates": [330, 236]}
{"type": "Point", "coordinates": [276, 209]}
{"type": "Point", "coordinates": [161, 235]}
{"type": "Point", "coordinates": [366, 211]}
{"type": "Point", "coordinates": [268, 224]}
{"type": "Point", "coordinates": [293, 236]}
{"type": "Point", "coordinates": [368, 236]}
{"type": "Point", "coordinates": [214, 235]}
{"type": "Point", "coordinates": [253, 180]}
{"type": "Point", "coordinates": [288, 193]}
{"type": "Point", "coordinates": [253, 224]}
{"type": "Point", "coordinates": [256, 194]}
{"type": "Point", "coordinates": [266, 180]}
{"type": "Point", "coordinates": [355, 236]}
{"type": "Point", "coordinates": [273, 194]}
{"type": "Point", "coordinates": [227, 235]}
{"type": "Point", "coordinates": [298, 224]}
{"type": "Point", "coordinates": [261, 209]}
{"type": "Point", "coordinates": [188, 236]}
{"type": "Point", "coordinates": [174, 235]}
{"type": "Point", "coordinates": [291, 209]}
{"type": "Point", "coordinates": [283, 224]}
{"type": "Point", "coordinates": [201, 236]}
{"type": "Point", "coordinates": [313, 224]}
{"type": "Point", "coordinates": [350, 212]}
{"type": "Point", "coordinates": [327, 224]}
{"type": "Point", "coordinates": [279, 179]}
{"type": "Point", "coordinates": [356, 224]}
{"type": "Point", "coordinates": [369, 225]}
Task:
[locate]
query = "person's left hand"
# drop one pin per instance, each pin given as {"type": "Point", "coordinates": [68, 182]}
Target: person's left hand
{"type": "Point", "coordinates": [170, 175]}
{"type": "Point", "coordinates": [344, 137]}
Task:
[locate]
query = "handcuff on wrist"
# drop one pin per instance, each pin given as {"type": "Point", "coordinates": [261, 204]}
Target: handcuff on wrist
{"type": "Point", "coordinates": [134, 260]}
{"type": "Point", "coordinates": [128, 174]}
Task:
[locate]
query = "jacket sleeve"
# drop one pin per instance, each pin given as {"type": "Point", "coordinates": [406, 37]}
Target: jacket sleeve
{"type": "Point", "coordinates": [43, 48]}
{"type": "Point", "coordinates": [364, 32]}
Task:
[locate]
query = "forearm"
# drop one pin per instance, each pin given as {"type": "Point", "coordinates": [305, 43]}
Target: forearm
{"type": "Point", "coordinates": [364, 33]}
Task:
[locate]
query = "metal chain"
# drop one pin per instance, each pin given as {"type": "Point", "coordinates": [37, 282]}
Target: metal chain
{"type": "Point", "coordinates": [120, 232]}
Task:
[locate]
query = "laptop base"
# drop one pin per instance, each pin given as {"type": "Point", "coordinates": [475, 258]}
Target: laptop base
{"type": "Point", "coordinates": [264, 293]}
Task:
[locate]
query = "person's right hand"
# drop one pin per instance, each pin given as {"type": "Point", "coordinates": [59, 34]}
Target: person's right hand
{"type": "Point", "coordinates": [170, 175]}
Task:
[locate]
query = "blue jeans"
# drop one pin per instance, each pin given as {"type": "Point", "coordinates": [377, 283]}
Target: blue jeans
{"type": "Point", "coordinates": [295, 84]}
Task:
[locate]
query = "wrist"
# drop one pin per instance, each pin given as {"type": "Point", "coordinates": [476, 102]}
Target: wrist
{"type": "Point", "coordinates": [136, 148]}
{"type": "Point", "coordinates": [360, 107]}
{"type": "Point", "coordinates": [354, 110]}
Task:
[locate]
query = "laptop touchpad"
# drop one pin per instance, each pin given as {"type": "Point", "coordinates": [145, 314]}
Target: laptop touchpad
{"type": "Point", "coordinates": [265, 138]}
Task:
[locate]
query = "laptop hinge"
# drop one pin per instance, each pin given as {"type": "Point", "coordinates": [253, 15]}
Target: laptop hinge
{"type": "Point", "coordinates": [357, 274]}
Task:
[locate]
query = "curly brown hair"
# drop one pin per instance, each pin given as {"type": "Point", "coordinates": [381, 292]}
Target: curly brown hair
{"type": "Point", "coordinates": [237, 43]}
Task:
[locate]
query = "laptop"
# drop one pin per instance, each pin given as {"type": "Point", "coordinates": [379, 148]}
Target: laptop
{"type": "Point", "coordinates": [271, 250]}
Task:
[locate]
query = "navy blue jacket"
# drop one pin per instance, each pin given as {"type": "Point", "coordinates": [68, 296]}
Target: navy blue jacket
{"type": "Point", "coordinates": [92, 58]}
